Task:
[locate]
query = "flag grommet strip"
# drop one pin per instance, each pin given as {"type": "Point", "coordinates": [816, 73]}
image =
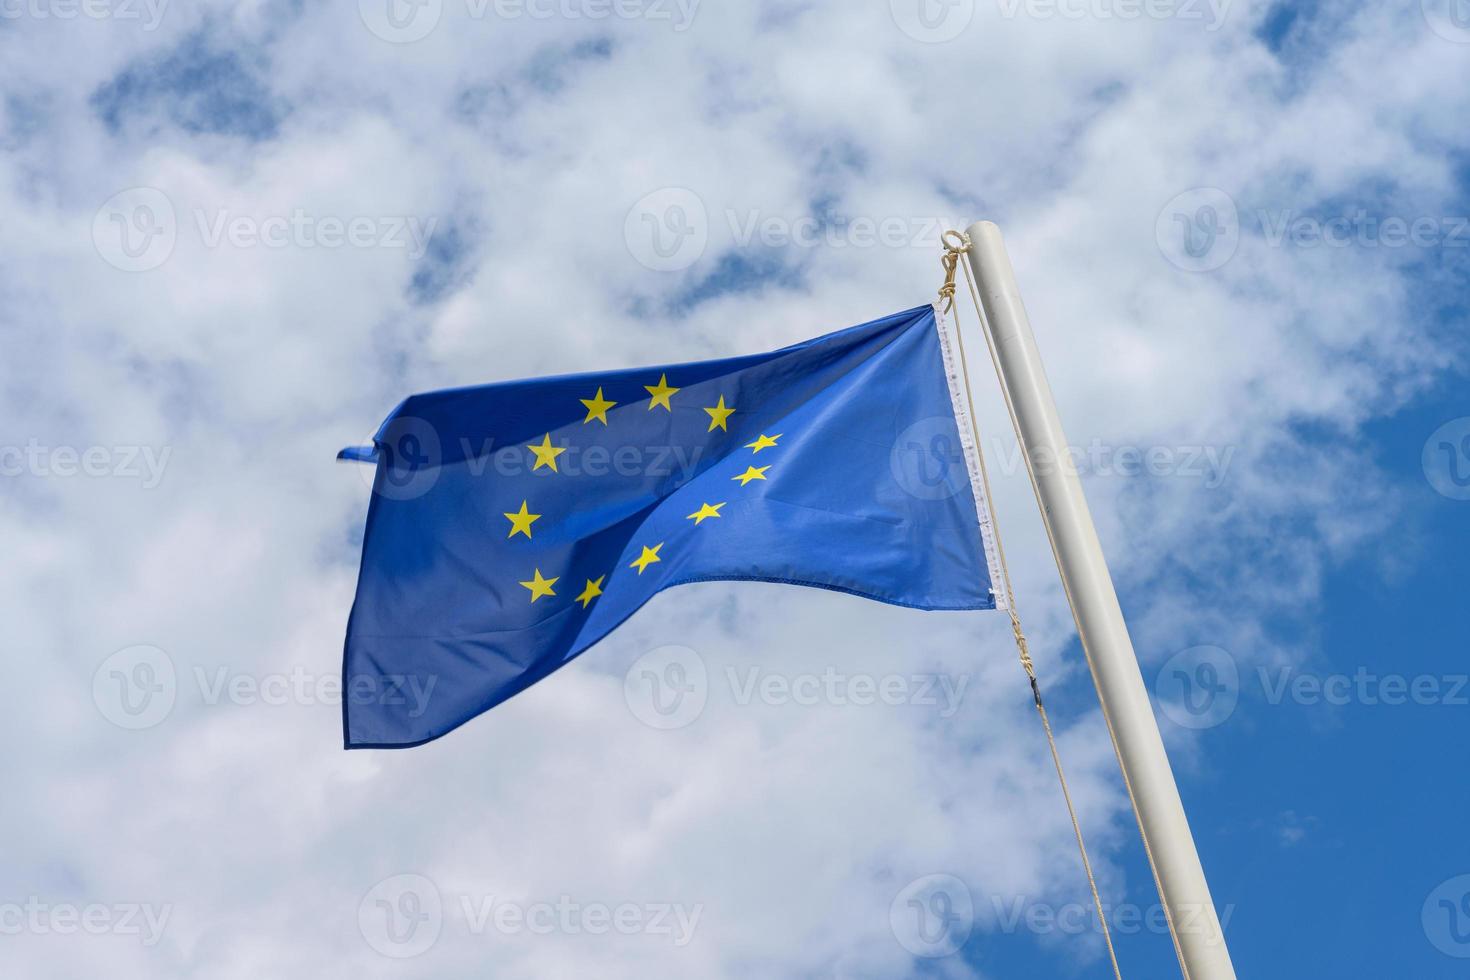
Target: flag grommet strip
{"type": "Point", "coordinates": [954, 375]}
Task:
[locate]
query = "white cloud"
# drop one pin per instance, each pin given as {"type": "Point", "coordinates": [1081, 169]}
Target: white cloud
{"type": "Point", "coordinates": [793, 828]}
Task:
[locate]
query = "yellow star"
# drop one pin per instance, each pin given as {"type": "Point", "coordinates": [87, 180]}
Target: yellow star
{"type": "Point", "coordinates": [540, 586]}
{"type": "Point", "coordinates": [751, 473]}
{"type": "Point", "coordinates": [596, 408]}
{"type": "Point", "coordinates": [593, 590]}
{"type": "Point", "coordinates": [661, 393]}
{"type": "Point", "coordinates": [546, 454]}
{"type": "Point", "coordinates": [649, 556]}
{"type": "Point", "coordinates": [708, 510]}
{"type": "Point", "coordinates": [520, 522]}
{"type": "Point", "coordinates": [764, 442]}
{"type": "Point", "coordinates": [718, 415]}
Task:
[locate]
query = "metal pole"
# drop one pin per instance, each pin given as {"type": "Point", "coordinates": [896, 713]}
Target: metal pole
{"type": "Point", "coordinates": [1198, 938]}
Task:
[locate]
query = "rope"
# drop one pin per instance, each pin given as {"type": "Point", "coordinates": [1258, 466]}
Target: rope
{"type": "Point", "coordinates": [1107, 718]}
{"type": "Point", "coordinates": [952, 253]}
{"type": "Point", "coordinates": [949, 261]}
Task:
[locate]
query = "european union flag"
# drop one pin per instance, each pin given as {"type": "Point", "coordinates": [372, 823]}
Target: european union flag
{"type": "Point", "coordinates": [514, 525]}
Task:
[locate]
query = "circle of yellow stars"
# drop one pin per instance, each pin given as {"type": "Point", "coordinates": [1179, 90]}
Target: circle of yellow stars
{"type": "Point", "coordinates": [544, 455]}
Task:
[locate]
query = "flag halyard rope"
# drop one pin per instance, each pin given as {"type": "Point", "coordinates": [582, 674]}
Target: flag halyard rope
{"type": "Point", "coordinates": [1107, 716]}
{"type": "Point", "coordinates": [951, 261]}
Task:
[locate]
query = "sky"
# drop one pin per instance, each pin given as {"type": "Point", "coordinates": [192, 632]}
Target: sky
{"type": "Point", "coordinates": [234, 235]}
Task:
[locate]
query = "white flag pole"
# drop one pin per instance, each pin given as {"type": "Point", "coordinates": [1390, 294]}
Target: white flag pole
{"type": "Point", "coordinates": [1194, 925]}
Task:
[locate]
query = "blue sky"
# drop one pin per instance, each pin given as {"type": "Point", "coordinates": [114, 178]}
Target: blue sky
{"type": "Point", "coordinates": [234, 235]}
{"type": "Point", "coordinates": [1324, 823]}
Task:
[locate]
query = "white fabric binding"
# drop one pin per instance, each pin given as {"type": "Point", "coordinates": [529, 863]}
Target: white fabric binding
{"type": "Point", "coordinates": [967, 429]}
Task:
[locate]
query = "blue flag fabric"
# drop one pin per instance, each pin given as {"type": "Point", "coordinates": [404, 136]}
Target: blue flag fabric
{"type": "Point", "coordinates": [513, 525]}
